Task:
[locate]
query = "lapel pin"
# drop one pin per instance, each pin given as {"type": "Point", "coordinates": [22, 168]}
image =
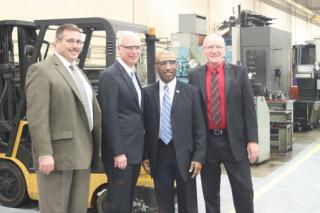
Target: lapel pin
{"type": "Point", "coordinates": [177, 91]}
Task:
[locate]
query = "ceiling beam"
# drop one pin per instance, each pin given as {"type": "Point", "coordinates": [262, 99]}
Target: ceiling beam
{"type": "Point", "coordinates": [310, 16]}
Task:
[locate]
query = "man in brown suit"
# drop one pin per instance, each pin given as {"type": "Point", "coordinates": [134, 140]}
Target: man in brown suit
{"type": "Point", "coordinates": [64, 122]}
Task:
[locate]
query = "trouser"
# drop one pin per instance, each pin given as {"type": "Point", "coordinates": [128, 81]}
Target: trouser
{"type": "Point", "coordinates": [64, 191]}
{"type": "Point", "coordinates": [121, 187]}
{"type": "Point", "coordinates": [218, 151]}
{"type": "Point", "coordinates": [166, 172]}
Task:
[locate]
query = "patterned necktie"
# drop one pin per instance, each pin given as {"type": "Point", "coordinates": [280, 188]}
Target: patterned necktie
{"type": "Point", "coordinates": [165, 117]}
{"type": "Point", "coordinates": [83, 93]}
{"type": "Point", "coordinates": [136, 86]}
{"type": "Point", "coordinates": [215, 97]}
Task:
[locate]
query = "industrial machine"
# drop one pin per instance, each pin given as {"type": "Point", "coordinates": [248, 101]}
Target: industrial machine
{"type": "Point", "coordinates": [265, 51]}
{"type": "Point", "coordinates": [17, 176]}
{"type": "Point", "coordinates": [306, 67]}
{"type": "Point", "coordinates": [186, 44]}
{"type": "Point", "coordinates": [281, 124]}
{"type": "Point", "coordinates": [306, 115]}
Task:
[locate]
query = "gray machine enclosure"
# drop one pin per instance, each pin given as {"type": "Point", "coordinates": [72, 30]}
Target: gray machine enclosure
{"type": "Point", "coordinates": [266, 51]}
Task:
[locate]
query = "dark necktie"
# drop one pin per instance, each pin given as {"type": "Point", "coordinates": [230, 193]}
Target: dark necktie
{"type": "Point", "coordinates": [136, 86]}
{"type": "Point", "coordinates": [215, 97]}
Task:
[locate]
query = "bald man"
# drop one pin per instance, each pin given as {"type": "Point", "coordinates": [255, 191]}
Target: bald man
{"type": "Point", "coordinates": [227, 100]}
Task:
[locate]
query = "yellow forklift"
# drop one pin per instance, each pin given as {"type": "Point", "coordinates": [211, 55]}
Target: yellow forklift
{"type": "Point", "coordinates": [23, 43]}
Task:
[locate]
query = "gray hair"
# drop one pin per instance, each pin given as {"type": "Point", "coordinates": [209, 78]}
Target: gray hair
{"type": "Point", "coordinates": [125, 34]}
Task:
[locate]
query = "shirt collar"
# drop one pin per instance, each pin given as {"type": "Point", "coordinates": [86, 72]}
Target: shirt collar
{"type": "Point", "coordinates": [218, 69]}
{"type": "Point", "coordinates": [171, 84]}
{"type": "Point", "coordinates": [64, 61]}
{"type": "Point", "coordinates": [128, 69]}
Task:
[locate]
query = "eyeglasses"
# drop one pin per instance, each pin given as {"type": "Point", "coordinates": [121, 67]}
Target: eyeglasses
{"type": "Point", "coordinates": [211, 47]}
{"type": "Point", "coordinates": [137, 48]}
{"type": "Point", "coordinates": [164, 63]}
{"type": "Point", "coordinates": [74, 41]}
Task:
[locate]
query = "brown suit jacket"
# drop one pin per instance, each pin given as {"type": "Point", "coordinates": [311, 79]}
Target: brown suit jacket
{"type": "Point", "coordinates": [57, 121]}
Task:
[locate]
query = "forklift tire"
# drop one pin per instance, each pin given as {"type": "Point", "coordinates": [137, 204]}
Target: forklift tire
{"type": "Point", "coordinates": [101, 201]}
{"type": "Point", "coordinates": [144, 201]}
{"type": "Point", "coordinates": [13, 191]}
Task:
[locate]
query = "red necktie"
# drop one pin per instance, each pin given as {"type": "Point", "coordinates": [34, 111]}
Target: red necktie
{"type": "Point", "coordinates": [215, 97]}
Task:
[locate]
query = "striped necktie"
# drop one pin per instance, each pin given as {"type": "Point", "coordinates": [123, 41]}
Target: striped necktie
{"type": "Point", "coordinates": [165, 117]}
{"type": "Point", "coordinates": [83, 94]}
{"type": "Point", "coordinates": [215, 97]}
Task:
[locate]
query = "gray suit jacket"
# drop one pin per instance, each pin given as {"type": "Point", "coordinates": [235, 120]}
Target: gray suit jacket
{"type": "Point", "coordinates": [122, 123]}
{"type": "Point", "coordinates": [188, 126]}
{"type": "Point", "coordinates": [56, 117]}
{"type": "Point", "coordinates": [241, 115]}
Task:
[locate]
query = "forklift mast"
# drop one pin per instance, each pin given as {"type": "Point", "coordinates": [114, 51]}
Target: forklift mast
{"type": "Point", "coordinates": [12, 77]}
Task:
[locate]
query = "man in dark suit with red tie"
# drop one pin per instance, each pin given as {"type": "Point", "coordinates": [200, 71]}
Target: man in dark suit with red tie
{"type": "Point", "coordinates": [232, 126]}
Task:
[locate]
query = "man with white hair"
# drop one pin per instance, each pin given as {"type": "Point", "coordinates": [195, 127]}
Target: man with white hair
{"type": "Point", "coordinates": [122, 124]}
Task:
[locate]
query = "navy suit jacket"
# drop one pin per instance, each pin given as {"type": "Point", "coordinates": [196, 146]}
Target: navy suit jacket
{"type": "Point", "coordinates": [122, 122]}
{"type": "Point", "coordinates": [241, 115]}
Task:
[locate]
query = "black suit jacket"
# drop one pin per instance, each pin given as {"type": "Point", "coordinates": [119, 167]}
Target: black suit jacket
{"type": "Point", "coordinates": [241, 114]}
{"type": "Point", "coordinates": [188, 126]}
{"type": "Point", "coordinates": [122, 122]}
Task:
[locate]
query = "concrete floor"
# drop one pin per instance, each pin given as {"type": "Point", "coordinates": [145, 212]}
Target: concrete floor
{"type": "Point", "coordinates": [287, 183]}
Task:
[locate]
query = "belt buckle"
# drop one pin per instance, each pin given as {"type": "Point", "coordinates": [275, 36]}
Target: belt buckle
{"type": "Point", "coordinates": [218, 132]}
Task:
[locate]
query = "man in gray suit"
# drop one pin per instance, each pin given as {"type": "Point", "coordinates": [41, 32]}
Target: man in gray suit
{"type": "Point", "coordinates": [232, 126]}
{"type": "Point", "coordinates": [122, 124]}
{"type": "Point", "coordinates": [175, 137]}
{"type": "Point", "coordinates": [64, 122]}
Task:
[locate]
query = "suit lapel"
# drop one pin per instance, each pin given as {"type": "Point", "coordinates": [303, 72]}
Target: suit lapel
{"type": "Point", "coordinates": [203, 71]}
{"type": "Point", "coordinates": [128, 80]}
{"type": "Point", "coordinates": [66, 75]}
{"type": "Point", "coordinates": [176, 96]}
{"type": "Point", "coordinates": [142, 105]}
{"type": "Point", "coordinates": [156, 96]}
{"type": "Point", "coordinates": [227, 79]}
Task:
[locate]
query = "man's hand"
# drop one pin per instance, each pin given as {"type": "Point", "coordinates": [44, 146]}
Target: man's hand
{"type": "Point", "coordinates": [120, 161]}
{"type": "Point", "coordinates": [196, 168]}
{"type": "Point", "coordinates": [46, 164]}
{"type": "Point", "coordinates": [146, 166]}
{"type": "Point", "coordinates": [253, 151]}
